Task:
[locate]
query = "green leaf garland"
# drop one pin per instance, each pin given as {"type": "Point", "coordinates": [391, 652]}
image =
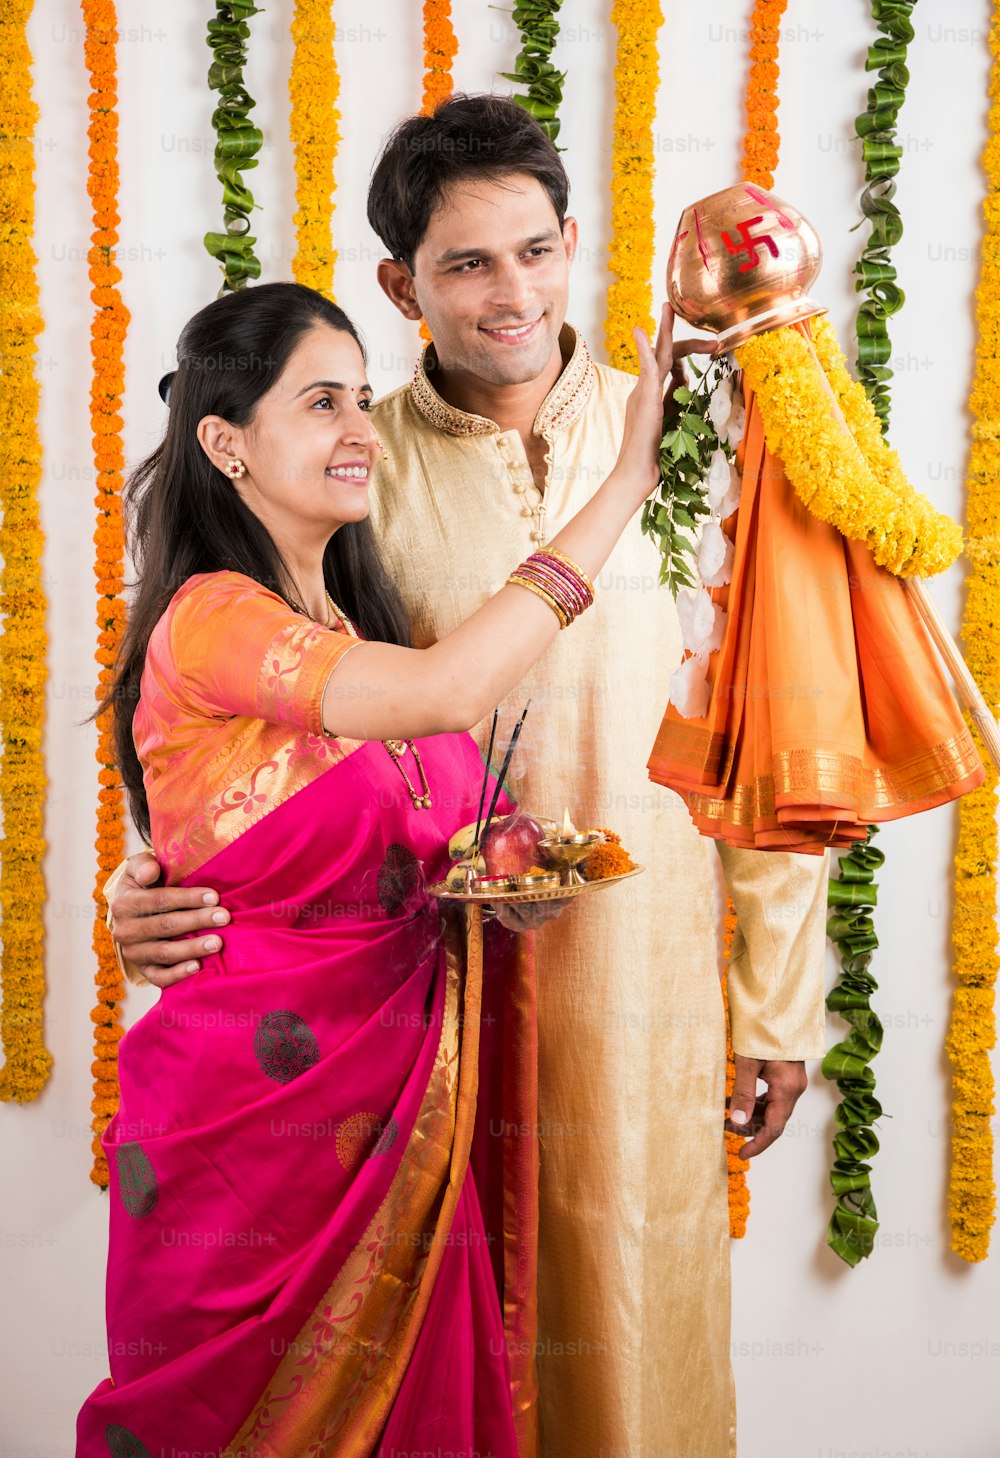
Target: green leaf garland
{"type": "Point", "coordinates": [852, 895]}
{"type": "Point", "coordinates": [539, 27]}
{"type": "Point", "coordinates": [854, 1222]}
{"type": "Point", "coordinates": [238, 140]}
{"type": "Point", "coordinates": [681, 496]}
{"type": "Point", "coordinates": [876, 127]}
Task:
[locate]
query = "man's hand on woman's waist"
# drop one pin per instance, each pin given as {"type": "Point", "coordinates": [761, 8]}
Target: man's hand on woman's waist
{"type": "Point", "coordinates": [153, 924]}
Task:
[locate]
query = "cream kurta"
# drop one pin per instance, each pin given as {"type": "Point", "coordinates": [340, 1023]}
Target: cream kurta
{"type": "Point", "coordinates": [634, 1248]}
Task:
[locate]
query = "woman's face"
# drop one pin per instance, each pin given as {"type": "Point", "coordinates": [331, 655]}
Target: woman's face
{"type": "Point", "coordinates": [310, 447]}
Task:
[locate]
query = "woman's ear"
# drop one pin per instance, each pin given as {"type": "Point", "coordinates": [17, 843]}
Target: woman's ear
{"type": "Point", "coordinates": [219, 441]}
{"type": "Point", "coordinates": [397, 284]}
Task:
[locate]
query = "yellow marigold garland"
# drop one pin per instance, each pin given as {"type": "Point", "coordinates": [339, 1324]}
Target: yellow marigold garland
{"type": "Point", "coordinates": [852, 479]}
{"type": "Point", "coordinates": [440, 49]}
{"type": "Point", "coordinates": [313, 86]}
{"type": "Point", "coordinates": [107, 342]}
{"type": "Point", "coordinates": [630, 253]}
{"type": "Point", "coordinates": [972, 1033]}
{"type": "Point", "coordinates": [23, 642]}
{"type": "Point", "coordinates": [760, 144]}
{"type": "Point", "coordinates": [736, 1168]}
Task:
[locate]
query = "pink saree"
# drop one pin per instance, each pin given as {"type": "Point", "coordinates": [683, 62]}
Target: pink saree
{"type": "Point", "coordinates": [324, 1166]}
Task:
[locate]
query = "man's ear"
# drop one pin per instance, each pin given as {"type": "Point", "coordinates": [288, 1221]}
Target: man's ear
{"type": "Point", "coordinates": [571, 237]}
{"type": "Point", "coordinates": [396, 282]}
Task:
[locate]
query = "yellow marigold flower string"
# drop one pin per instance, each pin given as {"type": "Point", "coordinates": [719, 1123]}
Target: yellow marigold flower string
{"type": "Point", "coordinates": [972, 1032]}
{"type": "Point", "coordinates": [760, 144]}
{"type": "Point", "coordinates": [850, 478]}
{"type": "Point", "coordinates": [108, 329]}
{"type": "Point", "coordinates": [313, 88]}
{"type": "Point", "coordinates": [630, 253]}
{"type": "Point", "coordinates": [23, 643]}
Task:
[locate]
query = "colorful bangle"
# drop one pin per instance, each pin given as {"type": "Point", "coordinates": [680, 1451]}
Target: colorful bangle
{"type": "Point", "coordinates": [553, 591]}
{"type": "Point", "coordinates": [558, 581]}
{"type": "Point", "coordinates": [556, 567]}
{"type": "Point", "coordinates": [567, 599]}
{"type": "Point", "coordinates": [573, 566]}
{"type": "Point", "coordinates": [561, 582]}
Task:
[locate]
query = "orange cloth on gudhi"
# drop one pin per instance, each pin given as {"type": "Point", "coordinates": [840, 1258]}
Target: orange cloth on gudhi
{"type": "Point", "coordinates": [829, 708]}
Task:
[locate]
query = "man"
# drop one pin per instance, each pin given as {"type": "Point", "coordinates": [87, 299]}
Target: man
{"type": "Point", "coordinates": [507, 427]}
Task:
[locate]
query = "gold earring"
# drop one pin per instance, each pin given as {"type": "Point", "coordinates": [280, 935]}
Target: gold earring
{"type": "Point", "coordinates": [235, 468]}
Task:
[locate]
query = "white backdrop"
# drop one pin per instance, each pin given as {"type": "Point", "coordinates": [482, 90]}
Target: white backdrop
{"type": "Point", "coordinates": [898, 1359]}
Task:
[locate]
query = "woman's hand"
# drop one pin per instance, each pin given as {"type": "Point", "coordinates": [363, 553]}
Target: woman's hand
{"type": "Point", "coordinates": [639, 457]}
{"type": "Point", "coordinates": [530, 915]}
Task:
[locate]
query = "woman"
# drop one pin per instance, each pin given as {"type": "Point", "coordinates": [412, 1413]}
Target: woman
{"type": "Point", "coordinates": [322, 1208]}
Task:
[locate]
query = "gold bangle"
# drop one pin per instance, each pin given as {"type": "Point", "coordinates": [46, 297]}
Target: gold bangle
{"type": "Point", "coordinates": [516, 581]}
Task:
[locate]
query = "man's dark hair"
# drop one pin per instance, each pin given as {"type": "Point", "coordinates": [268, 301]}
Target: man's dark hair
{"type": "Point", "coordinates": [465, 137]}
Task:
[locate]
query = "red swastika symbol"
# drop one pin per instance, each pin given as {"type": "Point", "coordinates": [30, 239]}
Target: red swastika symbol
{"type": "Point", "coordinates": [748, 244]}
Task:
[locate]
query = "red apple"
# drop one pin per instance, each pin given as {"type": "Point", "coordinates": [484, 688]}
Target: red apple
{"type": "Point", "coordinates": [510, 845]}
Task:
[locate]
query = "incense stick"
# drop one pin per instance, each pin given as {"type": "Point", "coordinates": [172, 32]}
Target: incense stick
{"type": "Point", "coordinates": [486, 780]}
{"type": "Point", "coordinates": [506, 763]}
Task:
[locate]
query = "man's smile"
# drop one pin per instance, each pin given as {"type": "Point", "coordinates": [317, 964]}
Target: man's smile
{"type": "Point", "coordinates": [512, 333]}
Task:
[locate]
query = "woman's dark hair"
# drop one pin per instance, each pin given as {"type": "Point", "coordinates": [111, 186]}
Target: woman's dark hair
{"type": "Point", "coordinates": [185, 516]}
{"type": "Point", "coordinates": [465, 137]}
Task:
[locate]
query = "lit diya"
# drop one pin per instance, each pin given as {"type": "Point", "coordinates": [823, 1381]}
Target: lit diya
{"type": "Point", "coordinates": [570, 847]}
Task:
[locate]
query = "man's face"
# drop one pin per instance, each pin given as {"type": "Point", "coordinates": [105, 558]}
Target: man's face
{"type": "Point", "coordinates": [491, 277]}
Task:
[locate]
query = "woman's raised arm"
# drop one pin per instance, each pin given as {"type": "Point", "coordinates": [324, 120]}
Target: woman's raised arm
{"type": "Point", "coordinates": [380, 691]}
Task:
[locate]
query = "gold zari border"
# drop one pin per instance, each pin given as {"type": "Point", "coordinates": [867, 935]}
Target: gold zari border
{"type": "Point", "coordinates": [819, 778]}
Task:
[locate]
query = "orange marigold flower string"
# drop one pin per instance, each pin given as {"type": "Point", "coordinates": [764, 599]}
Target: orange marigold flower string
{"type": "Point", "coordinates": [107, 341]}
{"type": "Point", "coordinates": [972, 1032]}
{"type": "Point", "coordinates": [736, 1168]}
{"type": "Point", "coordinates": [440, 49]}
{"type": "Point", "coordinates": [23, 642]}
{"type": "Point", "coordinates": [760, 157]}
{"type": "Point", "coordinates": [760, 144]}
{"type": "Point", "coordinates": [313, 86]}
{"type": "Point", "coordinates": [630, 253]}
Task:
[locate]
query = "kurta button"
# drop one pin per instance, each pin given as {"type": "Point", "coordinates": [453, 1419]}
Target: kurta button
{"type": "Point", "coordinates": [537, 537]}
{"type": "Point", "coordinates": [526, 511]}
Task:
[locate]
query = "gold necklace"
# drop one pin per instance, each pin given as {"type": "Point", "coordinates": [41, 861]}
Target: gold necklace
{"type": "Point", "coordinates": [394, 747]}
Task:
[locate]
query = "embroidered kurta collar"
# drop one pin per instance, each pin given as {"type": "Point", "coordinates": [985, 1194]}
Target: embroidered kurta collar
{"type": "Point", "coordinates": [561, 406]}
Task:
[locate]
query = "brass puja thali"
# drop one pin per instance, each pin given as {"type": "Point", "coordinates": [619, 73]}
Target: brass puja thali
{"type": "Point", "coordinates": [511, 893]}
{"type": "Point", "coordinates": [551, 859]}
